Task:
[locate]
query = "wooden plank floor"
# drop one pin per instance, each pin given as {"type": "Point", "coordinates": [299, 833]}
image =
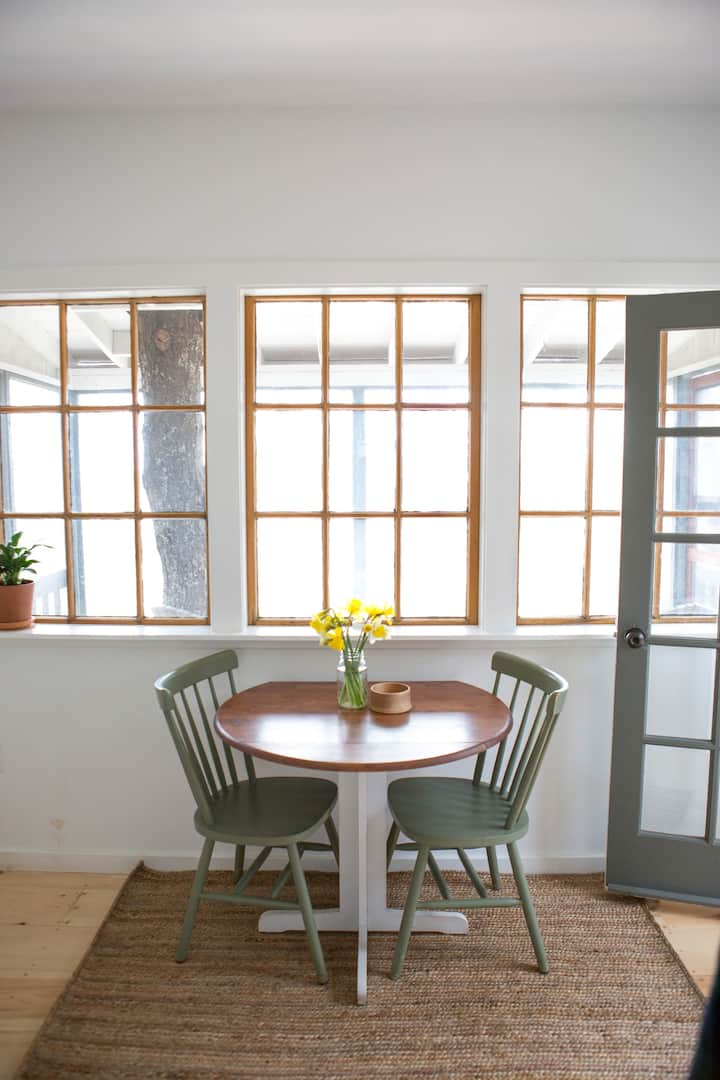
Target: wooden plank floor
{"type": "Point", "coordinates": [48, 920]}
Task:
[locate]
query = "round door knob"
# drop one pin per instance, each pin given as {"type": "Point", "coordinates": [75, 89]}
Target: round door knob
{"type": "Point", "coordinates": [635, 637]}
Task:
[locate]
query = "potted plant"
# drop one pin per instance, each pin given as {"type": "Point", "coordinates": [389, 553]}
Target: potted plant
{"type": "Point", "coordinates": [16, 590]}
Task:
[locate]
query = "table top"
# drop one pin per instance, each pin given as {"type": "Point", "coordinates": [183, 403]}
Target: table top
{"type": "Point", "coordinates": [299, 723]}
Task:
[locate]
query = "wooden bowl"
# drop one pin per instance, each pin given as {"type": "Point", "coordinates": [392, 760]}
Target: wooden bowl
{"type": "Point", "coordinates": [390, 697]}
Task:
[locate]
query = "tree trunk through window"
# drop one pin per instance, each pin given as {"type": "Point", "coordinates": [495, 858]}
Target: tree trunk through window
{"type": "Point", "coordinates": [170, 370]}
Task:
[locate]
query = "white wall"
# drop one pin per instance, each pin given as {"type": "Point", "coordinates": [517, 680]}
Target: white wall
{"type": "Point", "coordinates": [226, 202]}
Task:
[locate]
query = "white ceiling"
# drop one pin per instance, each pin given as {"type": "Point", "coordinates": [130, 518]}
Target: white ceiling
{"type": "Point", "coordinates": [93, 54]}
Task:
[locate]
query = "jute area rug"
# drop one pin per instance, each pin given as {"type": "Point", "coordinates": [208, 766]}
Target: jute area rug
{"type": "Point", "coordinates": [616, 1004]}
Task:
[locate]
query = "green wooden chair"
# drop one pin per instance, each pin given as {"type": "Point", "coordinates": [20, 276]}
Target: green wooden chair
{"type": "Point", "coordinates": [268, 812]}
{"type": "Point", "coordinates": [445, 812]}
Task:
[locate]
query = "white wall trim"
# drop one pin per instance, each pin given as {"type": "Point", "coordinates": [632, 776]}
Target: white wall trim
{"type": "Point", "coordinates": [96, 862]}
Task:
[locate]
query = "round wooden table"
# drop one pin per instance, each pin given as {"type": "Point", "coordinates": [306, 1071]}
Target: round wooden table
{"type": "Point", "coordinates": [299, 724]}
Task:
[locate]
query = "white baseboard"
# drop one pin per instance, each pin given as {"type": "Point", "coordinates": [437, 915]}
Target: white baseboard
{"type": "Point", "coordinates": [96, 862]}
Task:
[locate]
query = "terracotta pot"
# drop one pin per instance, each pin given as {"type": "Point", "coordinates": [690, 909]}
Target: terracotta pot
{"type": "Point", "coordinates": [16, 603]}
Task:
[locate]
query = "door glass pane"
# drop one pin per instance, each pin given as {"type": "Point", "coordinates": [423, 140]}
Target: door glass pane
{"type": "Point", "coordinates": [674, 790]}
{"type": "Point", "coordinates": [692, 467]}
{"type": "Point", "coordinates": [362, 460]}
{"type": "Point", "coordinates": [689, 579]}
{"type": "Point", "coordinates": [362, 560]}
{"type": "Point", "coordinates": [104, 565]}
{"type": "Point", "coordinates": [690, 418]}
{"type": "Point", "coordinates": [288, 459]}
{"type": "Point", "coordinates": [609, 350]}
{"type": "Point", "coordinates": [435, 351]}
{"type": "Point", "coordinates": [101, 462]}
{"type": "Point", "coordinates": [607, 459]}
{"type": "Point", "coordinates": [174, 568]}
{"type": "Point", "coordinates": [552, 561]}
{"type": "Point", "coordinates": [98, 343]}
{"type": "Point", "coordinates": [171, 451]}
{"type": "Point", "coordinates": [30, 349]}
{"type": "Point", "coordinates": [680, 692]}
{"type": "Point", "coordinates": [31, 461]}
{"type": "Point", "coordinates": [555, 349]}
{"type": "Point", "coordinates": [362, 351]}
{"type": "Point", "coordinates": [435, 460]}
{"type": "Point", "coordinates": [284, 545]}
{"type": "Point", "coordinates": [693, 366]}
{"type": "Point", "coordinates": [171, 349]}
{"type": "Point", "coordinates": [553, 467]}
{"type": "Point", "coordinates": [50, 596]}
{"type": "Point", "coordinates": [604, 566]}
{"type": "Point", "coordinates": [679, 523]}
{"type": "Point", "coordinates": [426, 593]}
{"type": "Point", "coordinates": [288, 339]}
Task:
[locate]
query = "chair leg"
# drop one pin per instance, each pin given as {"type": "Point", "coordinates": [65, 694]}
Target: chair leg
{"type": "Point", "coordinates": [333, 837]}
{"type": "Point", "coordinates": [439, 879]}
{"type": "Point", "coordinates": [239, 863]}
{"type": "Point", "coordinates": [391, 842]}
{"type": "Point", "coordinates": [307, 913]}
{"type": "Point", "coordinates": [192, 904]}
{"type": "Point", "coordinates": [528, 909]}
{"type": "Point", "coordinates": [403, 938]}
{"type": "Point", "coordinates": [493, 864]}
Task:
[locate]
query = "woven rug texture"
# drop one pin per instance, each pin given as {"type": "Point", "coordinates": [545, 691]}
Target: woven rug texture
{"type": "Point", "coordinates": [616, 1004]}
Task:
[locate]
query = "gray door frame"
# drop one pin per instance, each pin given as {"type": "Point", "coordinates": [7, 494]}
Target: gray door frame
{"type": "Point", "coordinates": [645, 863]}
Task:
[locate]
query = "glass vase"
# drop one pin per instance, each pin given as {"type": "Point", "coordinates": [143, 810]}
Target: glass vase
{"type": "Point", "coordinates": [352, 685]}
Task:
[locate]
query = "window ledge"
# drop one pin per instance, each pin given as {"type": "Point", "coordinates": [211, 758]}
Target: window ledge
{"type": "Point", "coordinates": [303, 637]}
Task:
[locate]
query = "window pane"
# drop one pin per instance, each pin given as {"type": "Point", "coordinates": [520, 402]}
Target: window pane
{"type": "Point", "coordinates": [689, 579]}
{"type": "Point", "coordinates": [681, 524]}
{"type": "Point", "coordinates": [604, 566]}
{"type": "Point", "coordinates": [288, 340]}
{"type": "Point", "coordinates": [433, 587]}
{"type": "Point", "coordinates": [362, 460]}
{"type": "Point", "coordinates": [289, 568]}
{"type": "Point", "coordinates": [610, 350]}
{"type": "Point", "coordinates": [435, 459]}
{"type": "Point", "coordinates": [435, 351]}
{"type": "Point", "coordinates": [362, 560]}
{"type": "Point", "coordinates": [172, 461]}
{"type": "Point", "coordinates": [170, 354]}
{"type": "Point", "coordinates": [607, 459]}
{"type": "Point", "coordinates": [674, 796]}
{"type": "Point", "coordinates": [552, 558]}
{"type": "Point", "coordinates": [693, 366]}
{"type": "Point", "coordinates": [362, 350]}
{"type": "Point", "coordinates": [99, 367]}
{"type": "Point", "coordinates": [288, 459]}
{"type": "Point", "coordinates": [31, 462]}
{"type": "Point", "coordinates": [104, 568]}
{"type": "Point", "coordinates": [553, 459]}
{"type": "Point", "coordinates": [30, 351]}
{"type": "Point", "coordinates": [101, 462]}
{"type": "Point", "coordinates": [174, 561]}
{"type": "Point", "coordinates": [680, 692]}
{"type": "Point", "coordinates": [692, 467]}
{"type": "Point", "coordinates": [555, 337]}
{"type": "Point", "coordinates": [50, 597]}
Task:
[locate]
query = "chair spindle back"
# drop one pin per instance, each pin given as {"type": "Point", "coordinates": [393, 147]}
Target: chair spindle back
{"type": "Point", "coordinates": [535, 701]}
{"type": "Point", "coordinates": [187, 696]}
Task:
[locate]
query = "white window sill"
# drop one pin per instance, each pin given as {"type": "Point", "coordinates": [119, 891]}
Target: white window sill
{"type": "Point", "coordinates": [304, 638]}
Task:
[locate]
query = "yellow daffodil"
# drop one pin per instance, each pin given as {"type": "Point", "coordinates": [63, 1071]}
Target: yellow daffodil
{"type": "Point", "coordinates": [318, 623]}
{"type": "Point", "coordinates": [379, 631]}
{"type": "Point", "coordinates": [354, 606]}
{"type": "Point", "coordinates": [335, 639]}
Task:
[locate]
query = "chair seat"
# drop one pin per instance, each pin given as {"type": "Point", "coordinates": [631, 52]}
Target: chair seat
{"type": "Point", "coordinates": [275, 809]}
{"type": "Point", "coordinates": [448, 812]}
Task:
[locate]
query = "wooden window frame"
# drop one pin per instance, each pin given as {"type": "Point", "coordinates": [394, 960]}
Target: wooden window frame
{"type": "Point", "coordinates": [592, 407]}
{"type": "Point", "coordinates": [325, 515]}
{"type": "Point", "coordinates": [64, 410]}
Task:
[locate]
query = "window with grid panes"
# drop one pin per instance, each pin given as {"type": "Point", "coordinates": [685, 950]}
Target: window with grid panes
{"type": "Point", "coordinates": [573, 351]}
{"type": "Point", "coordinates": [102, 455]}
{"type": "Point", "coordinates": [362, 429]}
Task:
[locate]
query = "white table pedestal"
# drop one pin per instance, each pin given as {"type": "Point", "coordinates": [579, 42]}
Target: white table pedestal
{"type": "Point", "coordinates": [363, 900]}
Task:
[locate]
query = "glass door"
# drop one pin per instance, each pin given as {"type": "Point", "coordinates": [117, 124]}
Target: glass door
{"type": "Point", "coordinates": [663, 836]}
